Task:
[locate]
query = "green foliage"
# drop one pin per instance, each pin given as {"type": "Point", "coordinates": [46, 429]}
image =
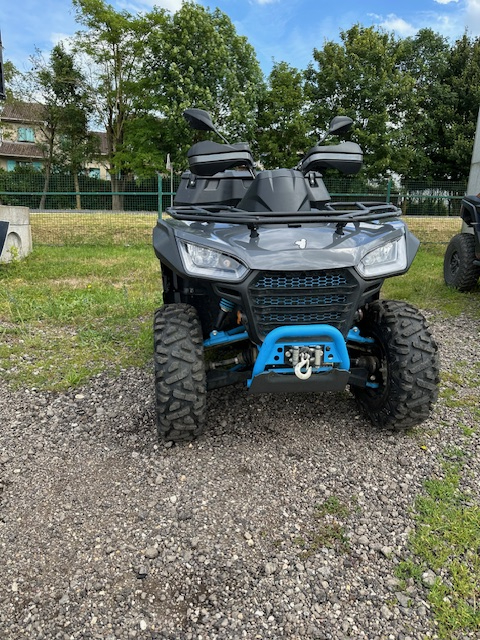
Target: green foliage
{"type": "Point", "coordinates": [360, 77]}
{"type": "Point", "coordinates": [427, 105]}
{"type": "Point", "coordinates": [10, 72]}
{"type": "Point", "coordinates": [414, 100]}
{"type": "Point", "coordinates": [283, 124]}
{"type": "Point", "coordinates": [198, 60]}
{"type": "Point", "coordinates": [462, 77]}
{"type": "Point", "coordinates": [115, 42]}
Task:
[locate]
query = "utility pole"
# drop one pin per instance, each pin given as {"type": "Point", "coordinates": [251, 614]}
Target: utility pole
{"type": "Point", "coordinates": [473, 187]}
{"type": "Point", "coordinates": [2, 75]}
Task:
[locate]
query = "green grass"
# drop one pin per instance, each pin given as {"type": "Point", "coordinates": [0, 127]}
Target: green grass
{"type": "Point", "coordinates": [68, 313]}
{"type": "Point", "coordinates": [96, 228]}
{"type": "Point", "coordinates": [447, 540]}
{"type": "Point", "coordinates": [423, 286]}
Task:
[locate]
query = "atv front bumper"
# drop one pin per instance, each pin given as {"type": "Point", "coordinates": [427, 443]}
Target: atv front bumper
{"type": "Point", "coordinates": [305, 358]}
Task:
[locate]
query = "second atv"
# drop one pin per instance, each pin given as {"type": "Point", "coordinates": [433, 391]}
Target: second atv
{"type": "Point", "coordinates": [461, 265]}
{"type": "Point", "coordinates": [269, 283]}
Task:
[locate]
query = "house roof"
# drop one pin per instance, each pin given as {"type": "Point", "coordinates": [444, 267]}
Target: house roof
{"type": "Point", "coordinates": [25, 150]}
{"type": "Point", "coordinates": [22, 112]}
{"type": "Point", "coordinates": [102, 137]}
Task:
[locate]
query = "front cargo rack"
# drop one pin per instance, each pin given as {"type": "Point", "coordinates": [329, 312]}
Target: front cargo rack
{"type": "Point", "coordinates": [340, 213]}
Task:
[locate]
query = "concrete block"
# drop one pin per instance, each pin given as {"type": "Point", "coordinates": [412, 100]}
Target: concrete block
{"type": "Point", "coordinates": [18, 243]}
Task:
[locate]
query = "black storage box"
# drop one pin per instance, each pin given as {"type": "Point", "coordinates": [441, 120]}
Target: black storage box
{"type": "Point", "coordinates": [226, 188]}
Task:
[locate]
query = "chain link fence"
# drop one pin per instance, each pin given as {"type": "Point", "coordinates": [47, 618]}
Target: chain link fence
{"type": "Point", "coordinates": [82, 213]}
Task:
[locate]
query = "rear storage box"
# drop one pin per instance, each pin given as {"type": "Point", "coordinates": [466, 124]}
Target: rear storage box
{"type": "Point", "coordinates": [226, 188]}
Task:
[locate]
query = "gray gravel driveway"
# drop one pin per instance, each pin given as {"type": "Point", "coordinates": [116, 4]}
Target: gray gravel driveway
{"type": "Point", "coordinates": [285, 520]}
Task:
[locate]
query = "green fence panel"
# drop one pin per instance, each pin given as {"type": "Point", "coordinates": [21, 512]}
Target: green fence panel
{"type": "Point", "coordinates": [65, 213]}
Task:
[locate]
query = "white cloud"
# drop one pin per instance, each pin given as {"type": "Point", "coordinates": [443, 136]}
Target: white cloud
{"type": "Point", "coordinates": [450, 24]}
{"type": "Point", "coordinates": [445, 1]}
{"type": "Point", "coordinates": [399, 25]}
{"type": "Point", "coordinates": [64, 38]}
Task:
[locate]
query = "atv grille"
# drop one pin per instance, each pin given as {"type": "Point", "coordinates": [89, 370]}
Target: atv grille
{"type": "Point", "coordinates": [311, 297]}
{"type": "Point", "coordinates": [301, 280]}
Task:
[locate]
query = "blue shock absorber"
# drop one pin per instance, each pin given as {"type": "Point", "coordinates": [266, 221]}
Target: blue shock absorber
{"type": "Point", "coordinates": [226, 305]}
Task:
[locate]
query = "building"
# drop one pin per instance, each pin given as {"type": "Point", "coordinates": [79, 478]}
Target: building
{"type": "Point", "coordinates": [20, 135]}
{"type": "Point", "coordinates": [22, 140]}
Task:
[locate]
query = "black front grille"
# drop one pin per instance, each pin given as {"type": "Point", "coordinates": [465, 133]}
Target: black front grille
{"type": "Point", "coordinates": [303, 297]}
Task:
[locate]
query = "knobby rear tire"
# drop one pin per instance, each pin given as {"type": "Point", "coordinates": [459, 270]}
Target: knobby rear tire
{"type": "Point", "coordinates": [180, 378]}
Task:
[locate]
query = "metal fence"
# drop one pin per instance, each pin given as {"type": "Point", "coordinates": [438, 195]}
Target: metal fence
{"type": "Point", "coordinates": [87, 216]}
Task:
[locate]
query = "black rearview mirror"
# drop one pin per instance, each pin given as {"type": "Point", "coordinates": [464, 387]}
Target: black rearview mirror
{"type": "Point", "coordinates": [200, 119]}
{"type": "Point", "coordinates": [340, 124]}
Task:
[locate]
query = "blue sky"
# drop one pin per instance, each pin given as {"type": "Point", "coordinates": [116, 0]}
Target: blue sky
{"type": "Point", "coordinates": [278, 29]}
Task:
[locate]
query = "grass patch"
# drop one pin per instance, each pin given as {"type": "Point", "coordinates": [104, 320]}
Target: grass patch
{"type": "Point", "coordinates": [423, 286]}
{"type": "Point", "coordinates": [99, 228]}
{"type": "Point", "coordinates": [327, 530]}
{"type": "Point", "coordinates": [68, 313]}
{"type": "Point", "coordinates": [447, 540]}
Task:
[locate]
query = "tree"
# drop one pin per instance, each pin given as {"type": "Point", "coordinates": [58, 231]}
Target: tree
{"type": "Point", "coordinates": [361, 77]}
{"type": "Point", "coordinates": [462, 77]}
{"type": "Point", "coordinates": [11, 80]}
{"type": "Point", "coordinates": [284, 123]}
{"type": "Point", "coordinates": [64, 105]}
{"type": "Point", "coordinates": [198, 60]}
{"type": "Point", "coordinates": [426, 106]}
{"type": "Point", "coordinates": [115, 45]}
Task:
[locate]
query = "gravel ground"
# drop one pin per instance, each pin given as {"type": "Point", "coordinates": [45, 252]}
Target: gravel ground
{"type": "Point", "coordinates": [106, 534]}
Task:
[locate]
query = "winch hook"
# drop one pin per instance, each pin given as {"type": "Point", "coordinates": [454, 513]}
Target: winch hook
{"type": "Point", "coordinates": [304, 361]}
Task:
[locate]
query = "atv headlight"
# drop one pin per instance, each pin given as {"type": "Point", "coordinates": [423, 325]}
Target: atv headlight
{"type": "Point", "coordinates": [209, 263]}
{"type": "Point", "coordinates": [386, 259]}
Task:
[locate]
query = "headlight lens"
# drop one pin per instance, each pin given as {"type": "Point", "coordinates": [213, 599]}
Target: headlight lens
{"type": "Point", "coordinates": [387, 259]}
{"type": "Point", "coordinates": [208, 263]}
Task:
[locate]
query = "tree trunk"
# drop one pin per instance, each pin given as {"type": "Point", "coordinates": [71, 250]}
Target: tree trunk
{"type": "Point", "coordinates": [118, 187]}
{"type": "Point", "coordinates": [46, 184]}
{"type": "Point", "coordinates": [78, 197]}
{"type": "Point", "coordinates": [48, 169]}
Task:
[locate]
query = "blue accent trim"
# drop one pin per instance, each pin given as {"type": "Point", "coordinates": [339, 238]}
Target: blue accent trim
{"type": "Point", "coordinates": [355, 336]}
{"type": "Point", "coordinates": [226, 337]}
{"type": "Point", "coordinates": [271, 351]}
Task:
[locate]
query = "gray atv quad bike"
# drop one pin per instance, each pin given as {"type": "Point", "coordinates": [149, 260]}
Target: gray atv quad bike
{"type": "Point", "coordinates": [461, 264]}
{"type": "Point", "coordinates": [268, 283]}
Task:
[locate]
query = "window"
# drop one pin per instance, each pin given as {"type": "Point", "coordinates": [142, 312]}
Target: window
{"type": "Point", "coordinates": [26, 134]}
{"type": "Point", "coordinates": [11, 164]}
{"type": "Point", "coordinates": [93, 172]}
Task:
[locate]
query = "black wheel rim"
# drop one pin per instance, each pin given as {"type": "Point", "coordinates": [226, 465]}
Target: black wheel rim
{"type": "Point", "coordinates": [454, 263]}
